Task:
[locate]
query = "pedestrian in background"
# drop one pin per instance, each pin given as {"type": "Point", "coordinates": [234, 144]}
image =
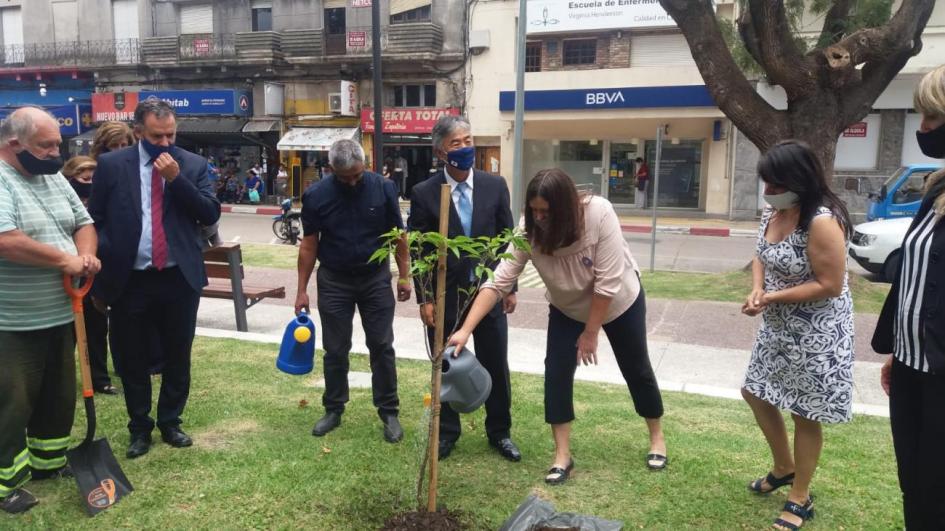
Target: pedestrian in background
{"type": "Point", "coordinates": [153, 271]}
{"type": "Point", "coordinates": [253, 187]}
{"type": "Point", "coordinates": [79, 170]}
{"type": "Point", "coordinates": [111, 136]}
{"type": "Point", "coordinates": [45, 232]}
{"type": "Point", "coordinates": [643, 178]}
{"type": "Point", "coordinates": [911, 327]}
{"type": "Point", "coordinates": [593, 282]}
{"type": "Point", "coordinates": [343, 218]}
{"type": "Point", "coordinates": [802, 360]}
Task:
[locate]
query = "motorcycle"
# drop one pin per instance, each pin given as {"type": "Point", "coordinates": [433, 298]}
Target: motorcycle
{"type": "Point", "coordinates": [288, 225]}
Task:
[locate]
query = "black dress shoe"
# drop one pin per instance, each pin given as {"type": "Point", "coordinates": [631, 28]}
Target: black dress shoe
{"type": "Point", "coordinates": [445, 449]}
{"type": "Point", "coordinates": [59, 473]}
{"type": "Point", "coordinates": [507, 449]}
{"type": "Point", "coordinates": [330, 421]}
{"type": "Point", "coordinates": [392, 430]}
{"type": "Point", "coordinates": [108, 389]}
{"type": "Point", "coordinates": [175, 437]}
{"type": "Point", "coordinates": [139, 446]}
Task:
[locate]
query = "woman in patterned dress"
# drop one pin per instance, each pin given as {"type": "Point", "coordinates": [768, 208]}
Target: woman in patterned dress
{"type": "Point", "coordinates": [802, 359]}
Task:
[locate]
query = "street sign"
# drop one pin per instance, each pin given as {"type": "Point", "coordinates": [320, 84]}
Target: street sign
{"type": "Point", "coordinates": [357, 39]}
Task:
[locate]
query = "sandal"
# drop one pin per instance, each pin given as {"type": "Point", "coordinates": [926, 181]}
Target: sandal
{"type": "Point", "coordinates": [804, 512]}
{"type": "Point", "coordinates": [773, 482]}
{"type": "Point", "coordinates": [656, 461]}
{"type": "Point", "coordinates": [557, 475]}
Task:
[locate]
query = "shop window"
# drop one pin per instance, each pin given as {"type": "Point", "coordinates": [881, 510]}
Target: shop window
{"type": "Point", "coordinates": [580, 52]}
{"type": "Point", "coordinates": [680, 173]}
{"type": "Point", "coordinates": [420, 14]}
{"type": "Point", "coordinates": [414, 95]}
{"type": "Point", "coordinates": [262, 16]}
{"type": "Point", "coordinates": [533, 57]}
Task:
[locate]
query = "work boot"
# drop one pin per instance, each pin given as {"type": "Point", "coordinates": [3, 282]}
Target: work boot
{"type": "Point", "coordinates": [59, 473]}
{"type": "Point", "coordinates": [330, 421]}
{"type": "Point", "coordinates": [18, 501]}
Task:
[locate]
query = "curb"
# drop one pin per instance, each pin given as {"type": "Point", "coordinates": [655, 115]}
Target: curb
{"type": "Point", "coordinates": [238, 209]}
{"type": "Point", "coordinates": [718, 232]}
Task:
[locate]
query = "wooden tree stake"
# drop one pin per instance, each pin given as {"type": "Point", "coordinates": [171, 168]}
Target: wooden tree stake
{"type": "Point", "coordinates": [438, 346]}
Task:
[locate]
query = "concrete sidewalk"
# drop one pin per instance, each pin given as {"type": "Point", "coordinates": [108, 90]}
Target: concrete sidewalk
{"type": "Point", "coordinates": [704, 370]}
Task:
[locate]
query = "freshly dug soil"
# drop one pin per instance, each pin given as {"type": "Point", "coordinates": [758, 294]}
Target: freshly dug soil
{"type": "Point", "coordinates": [441, 520]}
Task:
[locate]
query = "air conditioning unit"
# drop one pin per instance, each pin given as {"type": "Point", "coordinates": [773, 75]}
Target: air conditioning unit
{"type": "Point", "coordinates": [334, 102]}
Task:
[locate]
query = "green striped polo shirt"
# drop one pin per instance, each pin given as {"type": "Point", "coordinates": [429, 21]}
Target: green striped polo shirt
{"type": "Point", "coordinates": [47, 209]}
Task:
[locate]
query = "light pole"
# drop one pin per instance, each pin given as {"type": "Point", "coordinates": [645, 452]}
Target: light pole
{"type": "Point", "coordinates": [378, 87]}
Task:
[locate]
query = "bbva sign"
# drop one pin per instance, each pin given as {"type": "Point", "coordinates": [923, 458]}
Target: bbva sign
{"type": "Point", "coordinates": [602, 98]}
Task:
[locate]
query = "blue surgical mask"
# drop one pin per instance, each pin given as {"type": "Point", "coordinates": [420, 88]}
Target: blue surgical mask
{"type": "Point", "coordinates": [462, 158]}
{"type": "Point", "coordinates": [154, 151]}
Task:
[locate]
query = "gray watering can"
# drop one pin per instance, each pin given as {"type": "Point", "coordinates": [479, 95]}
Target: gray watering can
{"type": "Point", "coordinates": [466, 383]}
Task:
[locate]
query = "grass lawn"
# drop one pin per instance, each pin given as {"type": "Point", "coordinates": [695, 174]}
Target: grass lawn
{"type": "Point", "coordinates": [255, 465]}
{"type": "Point", "coordinates": [732, 286]}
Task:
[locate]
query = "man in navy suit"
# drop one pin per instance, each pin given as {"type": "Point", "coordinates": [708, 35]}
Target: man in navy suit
{"type": "Point", "coordinates": [479, 206]}
{"type": "Point", "coordinates": [148, 202]}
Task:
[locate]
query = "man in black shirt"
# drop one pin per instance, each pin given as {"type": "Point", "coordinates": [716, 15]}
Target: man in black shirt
{"type": "Point", "coordinates": [343, 218]}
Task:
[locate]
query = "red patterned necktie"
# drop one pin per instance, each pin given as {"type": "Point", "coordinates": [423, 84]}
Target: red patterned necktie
{"type": "Point", "coordinates": [158, 240]}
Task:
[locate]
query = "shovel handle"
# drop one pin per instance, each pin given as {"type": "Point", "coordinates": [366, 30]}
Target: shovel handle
{"type": "Point", "coordinates": [76, 294]}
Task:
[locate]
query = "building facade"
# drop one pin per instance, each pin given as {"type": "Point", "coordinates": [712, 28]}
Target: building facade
{"type": "Point", "coordinates": [599, 82]}
{"type": "Point", "coordinates": [253, 81]}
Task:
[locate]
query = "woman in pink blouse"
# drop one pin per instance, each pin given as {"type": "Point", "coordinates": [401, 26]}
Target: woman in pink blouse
{"type": "Point", "coordinates": [593, 283]}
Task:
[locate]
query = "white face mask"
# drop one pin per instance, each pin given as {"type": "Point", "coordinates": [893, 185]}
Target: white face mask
{"type": "Point", "coordinates": [542, 224]}
{"type": "Point", "coordinates": [782, 201]}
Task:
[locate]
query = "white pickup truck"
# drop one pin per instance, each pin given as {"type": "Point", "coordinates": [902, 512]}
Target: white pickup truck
{"type": "Point", "coordinates": [875, 245]}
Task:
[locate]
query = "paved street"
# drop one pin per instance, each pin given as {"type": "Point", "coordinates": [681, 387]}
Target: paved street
{"type": "Point", "coordinates": [678, 252]}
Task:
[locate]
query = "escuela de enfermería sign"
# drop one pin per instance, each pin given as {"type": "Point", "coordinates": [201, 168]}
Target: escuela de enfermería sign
{"type": "Point", "coordinates": [560, 16]}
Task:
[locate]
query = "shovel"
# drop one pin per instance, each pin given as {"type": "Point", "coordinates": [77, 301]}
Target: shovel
{"type": "Point", "coordinates": [100, 479]}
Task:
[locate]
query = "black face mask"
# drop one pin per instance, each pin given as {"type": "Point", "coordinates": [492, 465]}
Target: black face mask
{"type": "Point", "coordinates": [932, 143]}
{"type": "Point", "coordinates": [83, 190]}
{"type": "Point", "coordinates": [37, 166]}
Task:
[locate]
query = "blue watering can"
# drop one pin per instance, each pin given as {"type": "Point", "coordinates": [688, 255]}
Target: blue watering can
{"type": "Point", "coordinates": [466, 383]}
{"type": "Point", "coordinates": [297, 353]}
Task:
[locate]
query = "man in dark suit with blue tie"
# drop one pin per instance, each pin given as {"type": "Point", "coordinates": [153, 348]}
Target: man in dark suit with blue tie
{"type": "Point", "coordinates": [479, 207]}
{"type": "Point", "coordinates": [148, 203]}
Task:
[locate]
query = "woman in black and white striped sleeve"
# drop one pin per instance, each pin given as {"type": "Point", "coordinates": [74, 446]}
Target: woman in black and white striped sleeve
{"type": "Point", "coordinates": [911, 327]}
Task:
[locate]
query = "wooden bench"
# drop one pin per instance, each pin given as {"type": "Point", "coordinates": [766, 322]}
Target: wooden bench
{"type": "Point", "coordinates": [224, 265]}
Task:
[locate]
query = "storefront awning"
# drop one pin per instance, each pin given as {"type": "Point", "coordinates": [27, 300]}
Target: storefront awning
{"type": "Point", "coordinates": [261, 126]}
{"type": "Point", "coordinates": [314, 138]}
{"type": "Point", "coordinates": [210, 125]}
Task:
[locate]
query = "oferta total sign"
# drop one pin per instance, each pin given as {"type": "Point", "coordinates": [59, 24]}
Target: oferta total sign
{"type": "Point", "coordinates": [558, 16]}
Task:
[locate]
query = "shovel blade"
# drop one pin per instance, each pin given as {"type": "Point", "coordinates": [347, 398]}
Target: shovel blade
{"type": "Point", "coordinates": [101, 481]}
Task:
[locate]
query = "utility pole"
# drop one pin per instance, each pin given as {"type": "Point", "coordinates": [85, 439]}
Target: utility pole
{"type": "Point", "coordinates": [518, 142]}
{"type": "Point", "coordinates": [660, 131]}
{"type": "Point", "coordinates": [378, 85]}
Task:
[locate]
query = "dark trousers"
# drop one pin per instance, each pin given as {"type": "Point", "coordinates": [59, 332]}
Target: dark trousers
{"type": "Point", "coordinates": [917, 417]}
{"type": "Point", "coordinates": [37, 386]}
{"type": "Point", "coordinates": [96, 330]}
{"type": "Point", "coordinates": [164, 302]}
{"type": "Point", "coordinates": [627, 336]}
{"type": "Point", "coordinates": [338, 294]}
{"type": "Point", "coordinates": [492, 346]}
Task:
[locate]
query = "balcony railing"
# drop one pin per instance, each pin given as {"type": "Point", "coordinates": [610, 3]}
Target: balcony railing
{"type": "Point", "coordinates": [72, 53]}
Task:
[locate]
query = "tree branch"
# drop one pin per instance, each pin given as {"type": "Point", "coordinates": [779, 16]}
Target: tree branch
{"type": "Point", "coordinates": [835, 22]}
{"type": "Point", "coordinates": [749, 36]}
{"type": "Point", "coordinates": [732, 92]}
{"type": "Point", "coordinates": [885, 51]}
{"type": "Point", "coordinates": [782, 61]}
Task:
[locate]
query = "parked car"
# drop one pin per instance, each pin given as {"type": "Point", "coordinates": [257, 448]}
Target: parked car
{"type": "Point", "coordinates": [875, 245]}
{"type": "Point", "coordinates": [901, 194]}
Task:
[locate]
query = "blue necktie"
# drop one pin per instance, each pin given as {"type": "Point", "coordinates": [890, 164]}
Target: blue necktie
{"type": "Point", "coordinates": [464, 208]}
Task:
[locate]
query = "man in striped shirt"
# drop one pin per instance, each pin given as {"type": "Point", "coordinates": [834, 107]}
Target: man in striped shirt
{"type": "Point", "coordinates": [45, 232]}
